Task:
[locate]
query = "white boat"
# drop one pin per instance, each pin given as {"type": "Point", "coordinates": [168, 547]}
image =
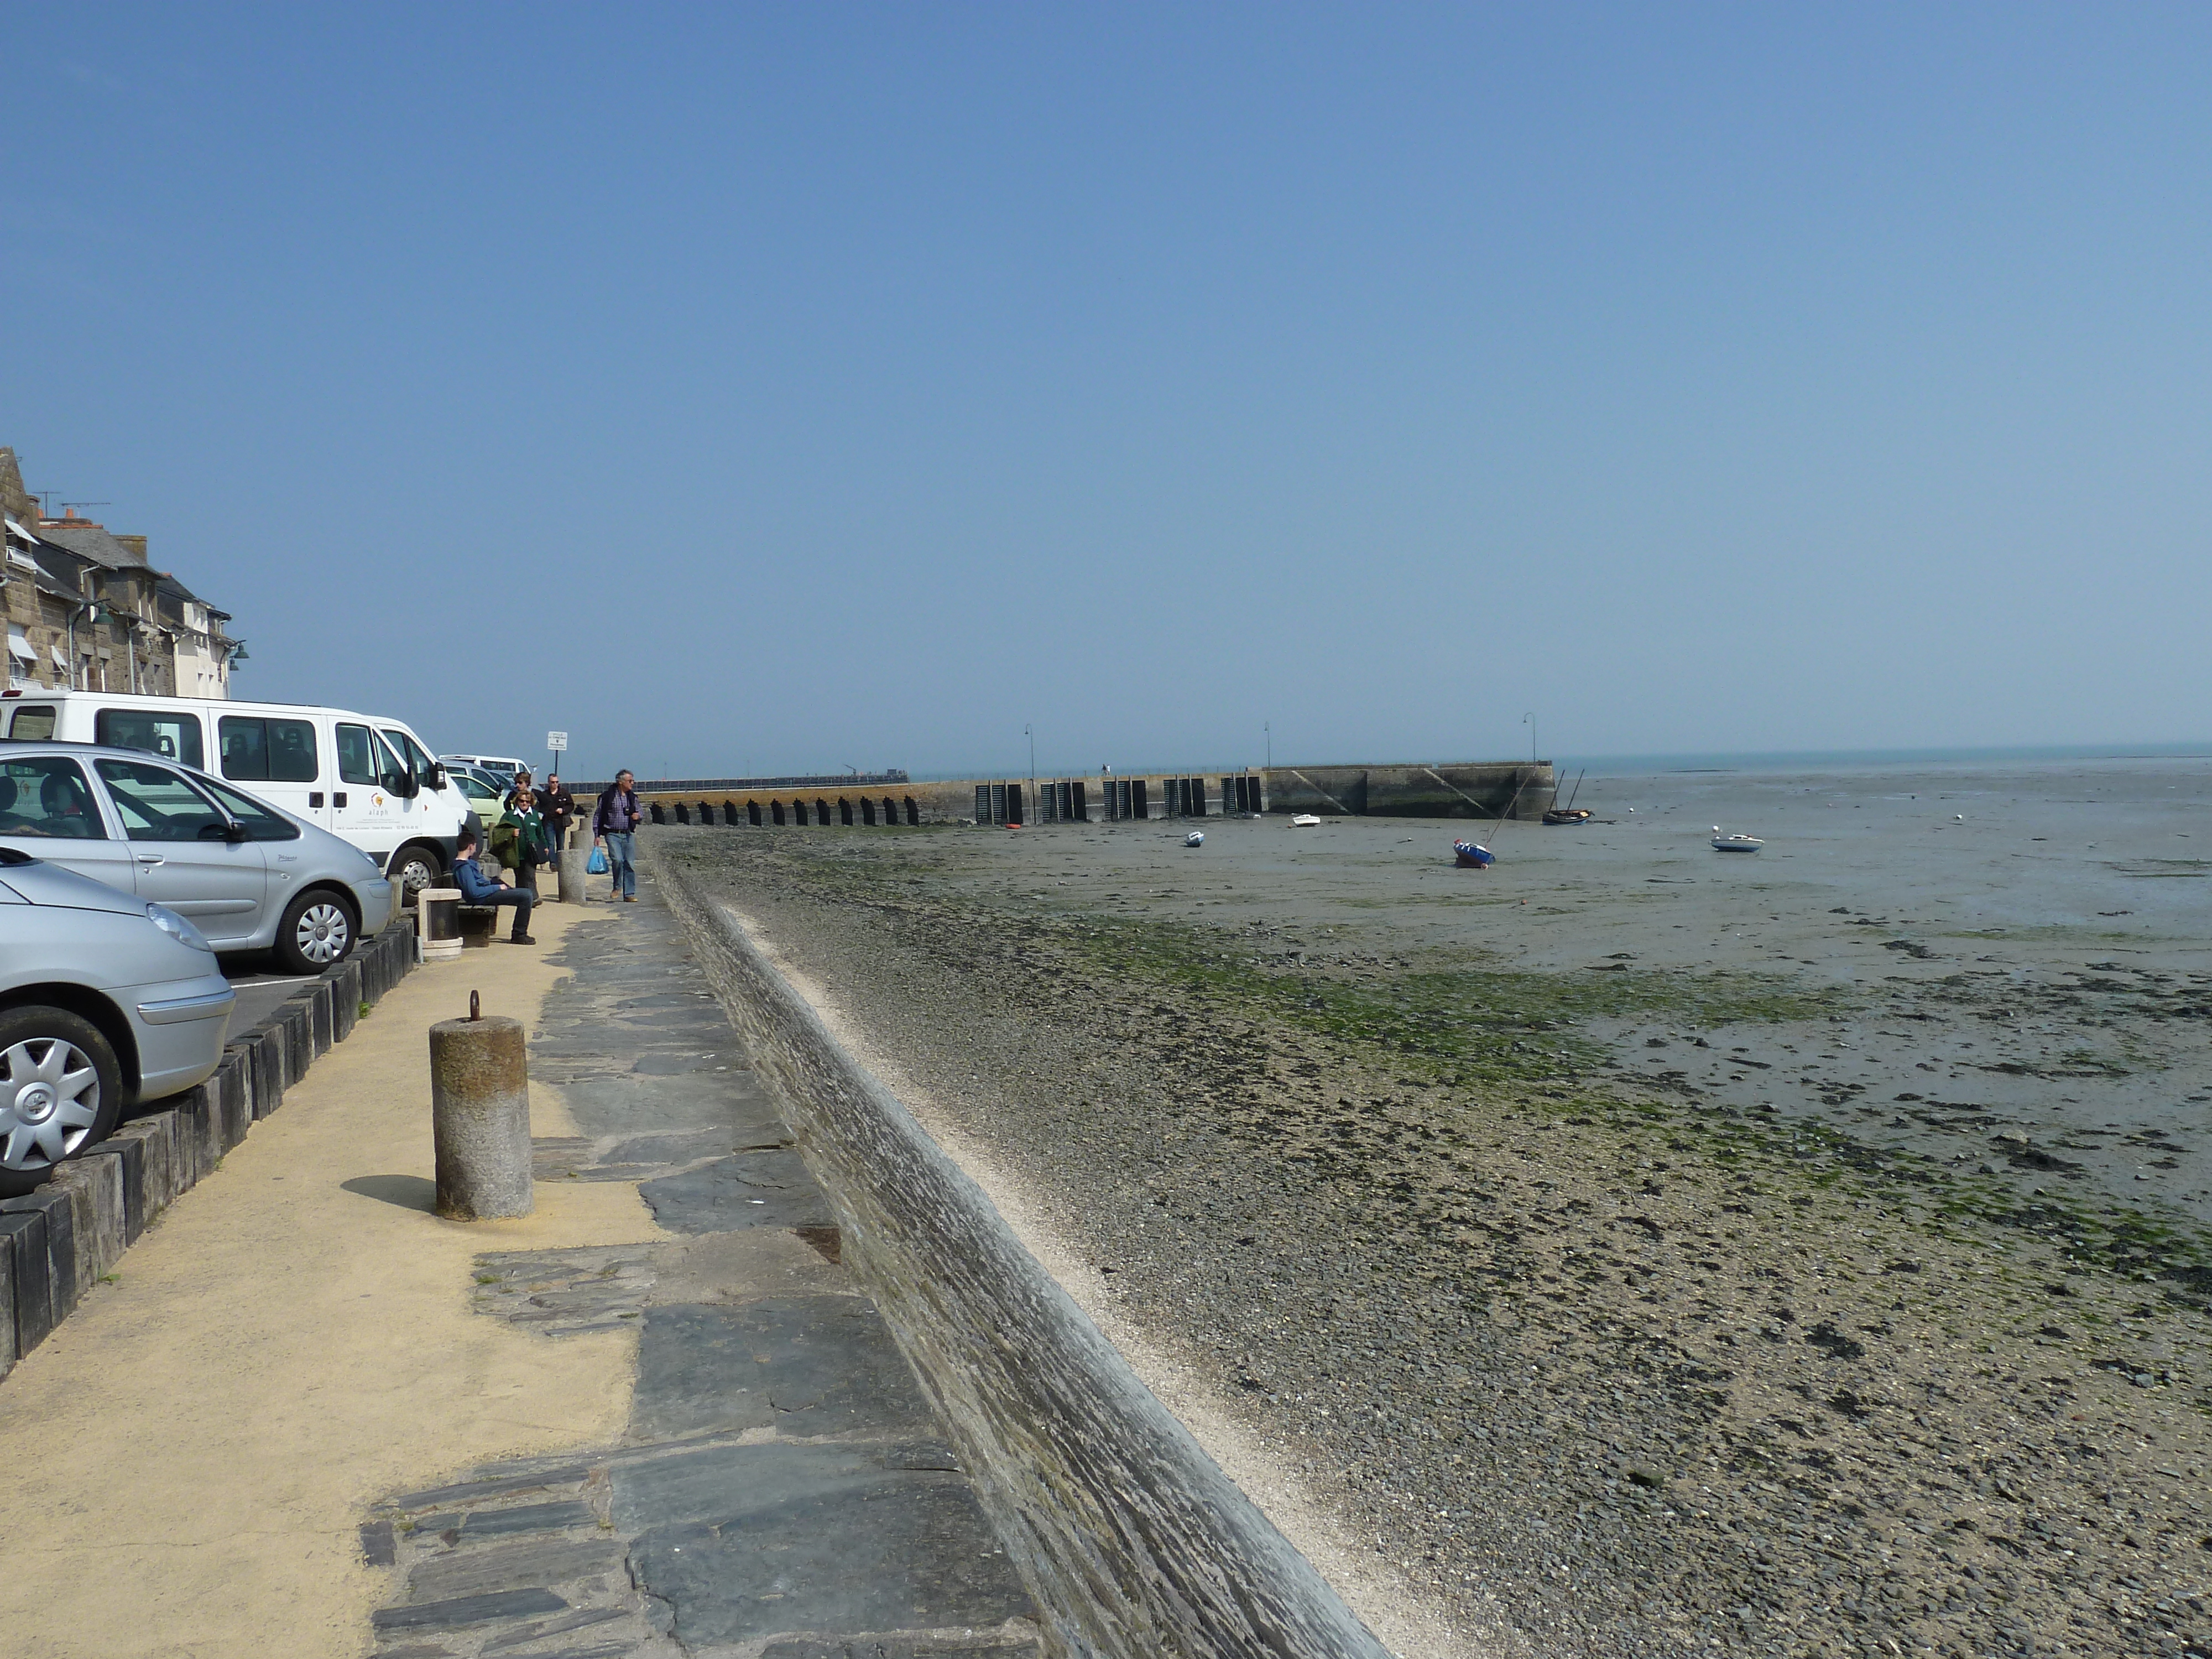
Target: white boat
{"type": "Point", "coordinates": [1734, 844]}
{"type": "Point", "coordinates": [1195, 838]}
{"type": "Point", "coordinates": [1304, 821]}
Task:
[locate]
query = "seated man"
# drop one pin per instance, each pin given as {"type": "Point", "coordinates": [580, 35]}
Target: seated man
{"type": "Point", "coordinates": [477, 889]}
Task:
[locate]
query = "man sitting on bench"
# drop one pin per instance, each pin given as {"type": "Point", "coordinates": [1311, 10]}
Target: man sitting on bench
{"type": "Point", "coordinates": [476, 890]}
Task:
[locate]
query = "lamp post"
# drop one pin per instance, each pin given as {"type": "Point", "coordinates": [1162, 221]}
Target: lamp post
{"type": "Point", "coordinates": [1530, 721]}
{"type": "Point", "coordinates": [1030, 731]}
{"type": "Point", "coordinates": [1268, 727]}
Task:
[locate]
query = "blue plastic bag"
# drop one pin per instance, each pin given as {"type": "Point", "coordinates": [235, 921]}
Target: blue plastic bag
{"type": "Point", "coordinates": [597, 864]}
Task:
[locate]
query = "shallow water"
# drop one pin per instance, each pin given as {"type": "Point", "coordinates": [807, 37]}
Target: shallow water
{"type": "Point", "coordinates": [2023, 951]}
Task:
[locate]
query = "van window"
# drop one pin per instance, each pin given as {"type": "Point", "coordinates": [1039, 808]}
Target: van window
{"type": "Point", "coordinates": [33, 723]}
{"type": "Point", "coordinates": [47, 797]}
{"type": "Point", "coordinates": [261, 823]}
{"type": "Point", "coordinates": [411, 751]}
{"type": "Point", "coordinates": [363, 758]}
{"type": "Point", "coordinates": [255, 749]}
{"type": "Point", "coordinates": [356, 754]}
{"type": "Point", "coordinates": [172, 737]}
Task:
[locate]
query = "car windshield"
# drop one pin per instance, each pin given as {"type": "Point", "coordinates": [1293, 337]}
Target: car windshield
{"type": "Point", "coordinates": [261, 823]}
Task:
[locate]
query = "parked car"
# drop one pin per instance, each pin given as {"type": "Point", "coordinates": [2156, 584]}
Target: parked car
{"type": "Point", "coordinates": [106, 1001]}
{"type": "Point", "coordinates": [484, 795]}
{"type": "Point", "coordinates": [246, 875]}
{"type": "Point", "coordinates": [499, 766]}
{"type": "Point", "coordinates": [367, 779]}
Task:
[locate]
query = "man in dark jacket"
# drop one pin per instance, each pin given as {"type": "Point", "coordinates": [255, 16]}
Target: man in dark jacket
{"type": "Point", "coordinates": [557, 807]}
{"type": "Point", "coordinates": [614, 826]}
{"type": "Point", "coordinates": [477, 888]}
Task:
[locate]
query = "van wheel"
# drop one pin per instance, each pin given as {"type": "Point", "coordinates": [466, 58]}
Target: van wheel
{"type": "Point", "coordinates": [414, 868]}
{"type": "Point", "coordinates": [61, 1091]}
{"type": "Point", "coordinates": [316, 932]}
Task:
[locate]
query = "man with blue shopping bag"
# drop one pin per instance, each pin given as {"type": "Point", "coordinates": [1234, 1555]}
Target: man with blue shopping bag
{"type": "Point", "coordinates": [614, 830]}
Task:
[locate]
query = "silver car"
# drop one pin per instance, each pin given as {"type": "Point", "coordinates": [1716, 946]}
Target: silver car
{"type": "Point", "coordinates": [106, 1001]}
{"type": "Point", "coordinates": [248, 876]}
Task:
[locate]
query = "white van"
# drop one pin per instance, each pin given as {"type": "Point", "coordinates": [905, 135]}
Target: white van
{"type": "Point", "coordinates": [368, 780]}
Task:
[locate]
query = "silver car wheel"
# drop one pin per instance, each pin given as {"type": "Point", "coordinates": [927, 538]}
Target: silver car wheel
{"type": "Point", "coordinates": [324, 933]}
{"type": "Point", "coordinates": [413, 873]}
{"type": "Point", "coordinates": [49, 1097]}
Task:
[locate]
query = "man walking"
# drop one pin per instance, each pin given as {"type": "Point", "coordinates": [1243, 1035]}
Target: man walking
{"type": "Point", "coordinates": [614, 827]}
{"type": "Point", "coordinates": [475, 888]}
{"type": "Point", "coordinates": [558, 808]}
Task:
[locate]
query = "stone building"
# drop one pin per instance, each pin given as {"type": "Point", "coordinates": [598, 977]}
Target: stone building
{"type": "Point", "coordinates": [84, 607]}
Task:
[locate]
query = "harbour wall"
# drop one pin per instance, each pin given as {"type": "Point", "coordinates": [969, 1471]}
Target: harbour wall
{"type": "Point", "coordinates": [1475, 790]}
{"type": "Point", "coordinates": [1134, 1542]}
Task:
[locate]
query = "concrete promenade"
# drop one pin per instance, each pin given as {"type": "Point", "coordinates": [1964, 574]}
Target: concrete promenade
{"type": "Point", "coordinates": [654, 1418]}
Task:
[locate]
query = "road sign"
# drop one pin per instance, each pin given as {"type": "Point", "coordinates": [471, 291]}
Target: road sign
{"type": "Point", "coordinates": [556, 741]}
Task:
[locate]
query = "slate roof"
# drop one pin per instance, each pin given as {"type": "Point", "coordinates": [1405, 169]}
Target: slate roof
{"type": "Point", "coordinates": [92, 543]}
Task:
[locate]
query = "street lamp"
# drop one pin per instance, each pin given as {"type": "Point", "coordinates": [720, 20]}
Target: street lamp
{"type": "Point", "coordinates": [1530, 721]}
{"type": "Point", "coordinates": [1029, 732]}
{"type": "Point", "coordinates": [1268, 727]}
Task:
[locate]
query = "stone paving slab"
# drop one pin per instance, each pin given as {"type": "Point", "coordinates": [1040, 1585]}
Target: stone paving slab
{"type": "Point", "coordinates": [783, 1485]}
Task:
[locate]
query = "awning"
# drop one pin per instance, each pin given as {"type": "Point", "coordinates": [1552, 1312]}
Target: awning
{"type": "Point", "coordinates": [19, 646]}
{"type": "Point", "coordinates": [14, 529]}
{"type": "Point", "coordinates": [60, 661]}
{"type": "Point", "coordinates": [17, 556]}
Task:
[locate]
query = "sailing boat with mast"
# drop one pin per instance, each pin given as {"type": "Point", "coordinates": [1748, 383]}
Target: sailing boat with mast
{"type": "Point", "coordinates": [1570, 813]}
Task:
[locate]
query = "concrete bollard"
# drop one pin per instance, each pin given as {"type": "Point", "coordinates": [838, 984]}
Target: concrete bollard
{"type": "Point", "coordinates": [480, 1117]}
{"type": "Point", "coordinates": [573, 860]}
{"type": "Point", "coordinates": [438, 911]}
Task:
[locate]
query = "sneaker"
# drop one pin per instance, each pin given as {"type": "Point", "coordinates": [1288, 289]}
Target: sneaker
{"type": "Point", "coordinates": [629, 898]}
{"type": "Point", "coordinates": [520, 939]}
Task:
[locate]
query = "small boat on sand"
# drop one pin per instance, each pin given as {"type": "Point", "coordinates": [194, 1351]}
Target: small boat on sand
{"type": "Point", "coordinates": [1195, 838]}
{"type": "Point", "coordinates": [1304, 821]}
{"type": "Point", "coordinates": [1738, 843]}
{"type": "Point", "coordinates": [1472, 855]}
{"type": "Point", "coordinates": [1570, 813]}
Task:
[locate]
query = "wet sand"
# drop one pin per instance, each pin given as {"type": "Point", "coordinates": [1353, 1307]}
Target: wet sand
{"type": "Point", "coordinates": [1647, 1248]}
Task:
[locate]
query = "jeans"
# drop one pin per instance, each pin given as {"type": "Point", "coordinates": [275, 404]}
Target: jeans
{"type": "Point", "coordinates": [522, 898]}
{"type": "Point", "coordinates": [621, 867]}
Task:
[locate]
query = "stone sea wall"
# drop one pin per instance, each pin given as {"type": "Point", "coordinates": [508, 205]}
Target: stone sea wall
{"type": "Point", "coordinates": [1132, 1539]}
{"type": "Point", "coordinates": [1476, 790]}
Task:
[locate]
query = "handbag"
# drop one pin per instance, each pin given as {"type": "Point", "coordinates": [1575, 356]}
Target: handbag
{"type": "Point", "coordinates": [597, 864]}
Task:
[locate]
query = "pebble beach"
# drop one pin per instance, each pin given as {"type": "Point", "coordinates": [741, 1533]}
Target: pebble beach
{"type": "Point", "coordinates": [1638, 1249]}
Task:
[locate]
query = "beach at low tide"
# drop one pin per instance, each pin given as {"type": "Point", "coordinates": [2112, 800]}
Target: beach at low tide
{"type": "Point", "coordinates": [1630, 1247]}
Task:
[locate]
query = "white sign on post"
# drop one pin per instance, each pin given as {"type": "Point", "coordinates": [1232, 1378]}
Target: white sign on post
{"type": "Point", "coordinates": [556, 741]}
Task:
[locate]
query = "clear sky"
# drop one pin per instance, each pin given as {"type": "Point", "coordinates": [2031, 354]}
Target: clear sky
{"type": "Point", "coordinates": [757, 389]}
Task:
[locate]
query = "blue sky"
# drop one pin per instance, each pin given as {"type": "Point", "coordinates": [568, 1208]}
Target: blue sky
{"type": "Point", "coordinates": [752, 389]}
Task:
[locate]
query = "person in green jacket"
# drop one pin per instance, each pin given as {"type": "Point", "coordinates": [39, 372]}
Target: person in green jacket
{"type": "Point", "coordinates": [518, 840]}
